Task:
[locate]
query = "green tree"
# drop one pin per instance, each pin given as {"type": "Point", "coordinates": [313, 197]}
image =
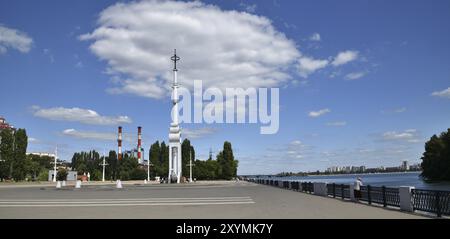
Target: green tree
{"type": "Point", "coordinates": [436, 158]}
{"type": "Point", "coordinates": [127, 167]}
{"type": "Point", "coordinates": [164, 159]}
{"type": "Point", "coordinates": [226, 161]}
{"type": "Point", "coordinates": [6, 153]}
{"type": "Point", "coordinates": [111, 168]}
{"type": "Point", "coordinates": [20, 149]}
{"type": "Point", "coordinates": [61, 175]}
{"type": "Point", "coordinates": [154, 157]}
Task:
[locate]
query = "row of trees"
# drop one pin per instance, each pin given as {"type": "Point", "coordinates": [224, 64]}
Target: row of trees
{"type": "Point", "coordinates": [13, 148]}
{"type": "Point", "coordinates": [91, 162]}
{"type": "Point", "coordinates": [16, 165]}
{"type": "Point", "coordinates": [224, 167]}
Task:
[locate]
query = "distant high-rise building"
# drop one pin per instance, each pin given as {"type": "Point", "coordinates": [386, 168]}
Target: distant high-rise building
{"type": "Point", "coordinates": [405, 165]}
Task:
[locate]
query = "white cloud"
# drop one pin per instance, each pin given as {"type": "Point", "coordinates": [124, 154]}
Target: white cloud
{"type": "Point", "coordinates": [248, 7]}
{"type": "Point", "coordinates": [12, 38]}
{"type": "Point", "coordinates": [345, 57]}
{"type": "Point", "coordinates": [309, 65]}
{"type": "Point", "coordinates": [197, 133]}
{"type": "Point", "coordinates": [409, 135]}
{"type": "Point", "coordinates": [315, 37]}
{"type": "Point", "coordinates": [444, 93]}
{"type": "Point", "coordinates": [85, 116]}
{"type": "Point", "coordinates": [32, 140]}
{"type": "Point", "coordinates": [105, 136]}
{"type": "Point", "coordinates": [221, 48]}
{"type": "Point", "coordinates": [400, 110]}
{"type": "Point", "coordinates": [296, 149]}
{"type": "Point", "coordinates": [355, 75]}
{"type": "Point", "coordinates": [337, 123]}
{"type": "Point", "coordinates": [318, 113]}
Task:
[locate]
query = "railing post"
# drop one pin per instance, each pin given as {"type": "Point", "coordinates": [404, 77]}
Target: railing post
{"type": "Point", "coordinates": [438, 205]}
{"type": "Point", "coordinates": [342, 191]}
{"type": "Point", "coordinates": [334, 190]}
{"type": "Point", "coordinates": [406, 202]}
{"type": "Point", "coordinates": [320, 189]}
{"type": "Point", "coordinates": [369, 198]}
{"type": "Point", "coordinates": [383, 191]}
{"type": "Point", "coordinates": [352, 192]}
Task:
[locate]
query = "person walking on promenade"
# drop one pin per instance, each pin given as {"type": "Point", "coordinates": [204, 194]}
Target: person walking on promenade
{"type": "Point", "coordinates": [357, 189]}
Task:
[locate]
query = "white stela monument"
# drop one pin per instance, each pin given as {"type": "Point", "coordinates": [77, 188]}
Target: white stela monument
{"type": "Point", "coordinates": [174, 131]}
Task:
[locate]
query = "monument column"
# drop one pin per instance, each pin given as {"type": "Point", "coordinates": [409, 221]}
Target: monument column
{"type": "Point", "coordinates": [174, 130]}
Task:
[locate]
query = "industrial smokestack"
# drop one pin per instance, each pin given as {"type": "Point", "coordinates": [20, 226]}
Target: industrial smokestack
{"type": "Point", "coordinates": [119, 144]}
{"type": "Point", "coordinates": [139, 143]}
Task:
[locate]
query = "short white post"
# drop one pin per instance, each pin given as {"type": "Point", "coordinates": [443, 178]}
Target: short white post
{"type": "Point", "coordinates": [58, 184]}
{"type": "Point", "coordinates": [145, 181]}
{"type": "Point", "coordinates": [78, 184]}
{"type": "Point", "coordinates": [63, 183]}
{"type": "Point", "coordinates": [119, 184]}
{"type": "Point", "coordinates": [290, 185]}
{"type": "Point", "coordinates": [352, 192]}
{"type": "Point", "coordinates": [405, 198]}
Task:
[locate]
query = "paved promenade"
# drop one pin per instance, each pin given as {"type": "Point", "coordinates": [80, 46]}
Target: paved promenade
{"type": "Point", "coordinates": [196, 200]}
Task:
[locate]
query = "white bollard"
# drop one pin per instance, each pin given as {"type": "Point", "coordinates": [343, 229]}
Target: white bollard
{"type": "Point", "coordinates": [119, 184]}
{"type": "Point", "coordinates": [58, 184]}
{"type": "Point", "coordinates": [405, 198]}
{"type": "Point", "coordinates": [145, 181]}
{"type": "Point", "coordinates": [63, 183]}
{"type": "Point", "coordinates": [78, 184]}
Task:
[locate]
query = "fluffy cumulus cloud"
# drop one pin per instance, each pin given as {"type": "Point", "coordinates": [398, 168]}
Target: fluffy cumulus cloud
{"type": "Point", "coordinates": [345, 57]}
{"type": "Point", "coordinates": [221, 48]}
{"type": "Point", "coordinates": [85, 116]}
{"type": "Point", "coordinates": [444, 93]}
{"type": "Point", "coordinates": [315, 114]}
{"type": "Point", "coordinates": [198, 133]}
{"type": "Point", "coordinates": [308, 65]}
{"type": "Point", "coordinates": [409, 135]}
{"type": "Point", "coordinates": [15, 39]}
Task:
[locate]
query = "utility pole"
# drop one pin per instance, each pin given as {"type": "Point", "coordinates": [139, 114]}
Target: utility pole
{"type": "Point", "coordinates": [190, 165]}
{"type": "Point", "coordinates": [54, 166]}
{"type": "Point", "coordinates": [148, 169]}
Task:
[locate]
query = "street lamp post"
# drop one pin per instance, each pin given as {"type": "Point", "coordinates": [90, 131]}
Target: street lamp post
{"type": "Point", "coordinates": [190, 165]}
{"type": "Point", "coordinates": [103, 164]}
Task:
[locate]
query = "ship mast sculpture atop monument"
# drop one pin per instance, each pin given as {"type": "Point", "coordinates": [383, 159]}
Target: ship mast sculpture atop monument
{"type": "Point", "coordinates": [174, 131]}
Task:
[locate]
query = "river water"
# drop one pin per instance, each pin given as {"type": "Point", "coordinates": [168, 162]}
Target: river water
{"type": "Point", "coordinates": [380, 179]}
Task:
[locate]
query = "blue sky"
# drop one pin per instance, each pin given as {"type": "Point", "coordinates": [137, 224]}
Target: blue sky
{"type": "Point", "coordinates": [377, 70]}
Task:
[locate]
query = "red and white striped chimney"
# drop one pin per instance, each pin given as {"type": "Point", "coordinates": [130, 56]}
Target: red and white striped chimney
{"type": "Point", "coordinates": [119, 143]}
{"type": "Point", "coordinates": [139, 143]}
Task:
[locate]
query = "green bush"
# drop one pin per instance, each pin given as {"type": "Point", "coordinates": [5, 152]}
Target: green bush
{"type": "Point", "coordinates": [43, 175]}
{"type": "Point", "coordinates": [62, 175]}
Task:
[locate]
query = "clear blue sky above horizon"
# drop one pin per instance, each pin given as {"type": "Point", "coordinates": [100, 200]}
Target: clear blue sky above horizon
{"type": "Point", "coordinates": [361, 82]}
